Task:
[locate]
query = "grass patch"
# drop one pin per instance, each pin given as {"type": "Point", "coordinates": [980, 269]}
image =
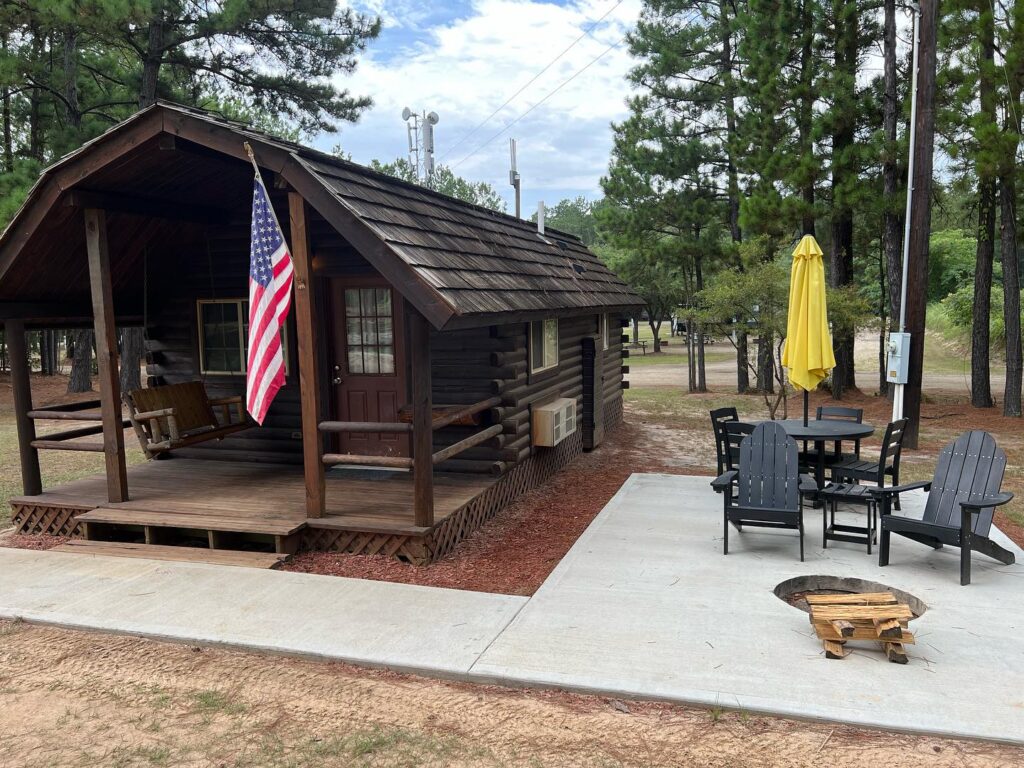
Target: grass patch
{"type": "Point", "coordinates": [676, 356]}
{"type": "Point", "coordinates": [386, 747]}
{"type": "Point", "coordinates": [156, 755]}
{"type": "Point", "coordinates": [216, 702]}
{"type": "Point", "coordinates": [56, 466]}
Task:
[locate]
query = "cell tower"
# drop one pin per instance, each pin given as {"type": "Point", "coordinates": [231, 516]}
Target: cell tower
{"type": "Point", "coordinates": [420, 132]}
{"type": "Point", "coordinates": [513, 174]}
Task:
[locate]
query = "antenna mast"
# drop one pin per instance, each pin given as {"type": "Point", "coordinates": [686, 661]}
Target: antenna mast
{"type": "Point", "coordinates": [420, 131]}
{"type": "Point", "coordinates": [513, 174]}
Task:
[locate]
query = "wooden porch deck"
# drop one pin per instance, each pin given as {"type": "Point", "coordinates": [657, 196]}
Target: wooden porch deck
{"type": "Point", "coordinates": [367, 512]}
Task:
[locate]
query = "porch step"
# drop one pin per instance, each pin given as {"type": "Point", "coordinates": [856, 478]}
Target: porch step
{"type": "Point", "coordinates": [184, 554]}
{"type": "Point", "coordinates": [203, 522]}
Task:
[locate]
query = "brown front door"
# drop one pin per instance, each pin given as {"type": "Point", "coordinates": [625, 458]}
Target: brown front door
{"type": "Point", "coordinates": [368, 371]}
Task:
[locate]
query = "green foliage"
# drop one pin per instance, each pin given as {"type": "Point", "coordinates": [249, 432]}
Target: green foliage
{"type": "Point", "coordinates": [951, 263]}
{"type": "Point", "coordinates": [957, 309]}
{"type": "Point", "coordinates": [575, 216]}
{"type": "Point", "coordinates": [446, 182]}
{"type": "Point", "coordinates": [71, 68]}
{"type": "Point", "coordinates": [14, 186]}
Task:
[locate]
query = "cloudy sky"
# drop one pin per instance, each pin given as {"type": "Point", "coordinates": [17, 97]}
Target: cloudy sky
{"type": "Point", "coordinates": [464, 58]}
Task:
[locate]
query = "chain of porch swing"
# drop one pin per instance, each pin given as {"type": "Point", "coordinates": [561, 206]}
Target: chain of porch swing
{"type": "Point", "coordinates": [145, 296]}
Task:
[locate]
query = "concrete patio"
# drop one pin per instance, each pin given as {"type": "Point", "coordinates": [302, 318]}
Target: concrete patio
{"type": "Point", "coordinates": [644, 605]}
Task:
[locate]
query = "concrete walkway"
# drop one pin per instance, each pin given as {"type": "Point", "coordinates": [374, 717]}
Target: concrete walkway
{"type": "Point", "coordinates": [417, 629]}
{"type": "Point", "coordinates": [644, 605]}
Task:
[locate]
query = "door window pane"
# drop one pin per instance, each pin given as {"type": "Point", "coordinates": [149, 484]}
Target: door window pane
{"type": "Point", "coordinates": [369, 330]}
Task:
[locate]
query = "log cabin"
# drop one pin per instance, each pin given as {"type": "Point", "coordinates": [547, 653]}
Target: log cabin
{"type": "Point", "coordinates": [442, 358]}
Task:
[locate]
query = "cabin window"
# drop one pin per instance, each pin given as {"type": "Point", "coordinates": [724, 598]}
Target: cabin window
{"type": "Point", "coordinates": [369, 331]}
{"type": "Point", "coordinates": [543, 345]}
{"type": "Point", "coordinates": [603, 323]}
{"type": "Point", "coordinates": [224, 337]}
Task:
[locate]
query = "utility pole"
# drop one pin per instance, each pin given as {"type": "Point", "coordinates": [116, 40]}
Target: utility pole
{"type": "Point", "coordinates": [513, 175]}
{"type": "Point", "coordinates": [919, 224]}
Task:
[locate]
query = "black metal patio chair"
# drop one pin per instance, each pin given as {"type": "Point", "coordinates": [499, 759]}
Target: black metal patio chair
{"type": "Point", "coordinates": [769, 488]}
{"type": "Point", "coordinates": [719, 418]}
{"type": "Point", "coordinates": [962, 497]}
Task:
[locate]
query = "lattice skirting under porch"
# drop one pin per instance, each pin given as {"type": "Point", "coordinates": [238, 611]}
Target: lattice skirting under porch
{"type": "Point", "coordinates": [445, 535]}
{"type": "Point", "coordinates": [613, 414]}
{"type": "Point", "coordinates": [55, 520]}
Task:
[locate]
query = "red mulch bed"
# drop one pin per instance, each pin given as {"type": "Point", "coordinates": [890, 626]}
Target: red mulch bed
{"type": "Point", "coordinates": [514, 553]}
{"type": "Point", "coordinates": [39, 541]}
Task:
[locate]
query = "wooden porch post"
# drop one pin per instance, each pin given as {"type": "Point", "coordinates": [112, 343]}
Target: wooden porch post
{"type": "Point", "coordinates": [31, 481]}
{"type": "Point", "coordinates": [309, 375]}
{"type": "Point", "coordinates": [106, 353]}
{"type": "Point", "coordinates": [422, 418]}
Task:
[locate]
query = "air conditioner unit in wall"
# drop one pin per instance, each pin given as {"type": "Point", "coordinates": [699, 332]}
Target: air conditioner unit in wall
{"type": "Point", "coordinates": [553, 422]}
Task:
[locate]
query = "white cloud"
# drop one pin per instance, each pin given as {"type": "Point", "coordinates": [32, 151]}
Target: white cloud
{"type": "Point", "coordinates": [466, 67]}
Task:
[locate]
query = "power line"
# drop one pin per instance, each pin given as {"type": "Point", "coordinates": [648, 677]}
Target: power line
{"type": "Point", "coordinates": [564, 83]}
{"type": "Point", "coordinates": [532, 80]}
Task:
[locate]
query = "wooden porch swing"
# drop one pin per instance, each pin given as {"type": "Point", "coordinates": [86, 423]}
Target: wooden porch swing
{"type": "Point", "coordinates": [178, 415]}
{"type": "Point", "coordinates": [170, 416]}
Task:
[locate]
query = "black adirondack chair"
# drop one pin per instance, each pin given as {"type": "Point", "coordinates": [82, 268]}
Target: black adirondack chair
{"type": "Point", "coordinates": [769, 488]}
{"type": "Point", "coordinates": [962, 497]}
{"type": "Point", "coordinates": [719, 418]}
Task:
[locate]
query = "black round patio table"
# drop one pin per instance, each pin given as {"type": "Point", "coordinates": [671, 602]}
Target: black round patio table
{"type": "Point", "coordinates": [821, 431]}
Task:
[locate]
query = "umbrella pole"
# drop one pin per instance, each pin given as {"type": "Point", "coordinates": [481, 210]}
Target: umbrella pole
{"type": "Point", "coordinates": [805, 407]}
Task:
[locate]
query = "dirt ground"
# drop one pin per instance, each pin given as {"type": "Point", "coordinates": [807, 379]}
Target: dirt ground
{"type": "Point", "coordinates": [103, 700]}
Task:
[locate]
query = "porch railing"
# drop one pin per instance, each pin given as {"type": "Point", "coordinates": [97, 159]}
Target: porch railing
{"type": "Point", "coordinates": [402, 462]}
{"type": "Point", "coordinates": [86, 410]}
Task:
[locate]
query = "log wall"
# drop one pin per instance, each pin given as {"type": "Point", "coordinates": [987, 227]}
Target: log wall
{"type": "Point", "coordinates": [467, 365]}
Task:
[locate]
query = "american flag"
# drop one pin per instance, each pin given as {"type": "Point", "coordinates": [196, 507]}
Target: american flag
{"type": "Point", "coordinates": [270, 290]}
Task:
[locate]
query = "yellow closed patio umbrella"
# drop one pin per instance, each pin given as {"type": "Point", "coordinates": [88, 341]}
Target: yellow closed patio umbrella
{"type": "Point", "coordinates": [807, 353]}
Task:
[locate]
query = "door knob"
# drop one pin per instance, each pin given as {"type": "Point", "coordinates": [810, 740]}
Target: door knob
{"type": "Point", "coordinates": [336, 380]}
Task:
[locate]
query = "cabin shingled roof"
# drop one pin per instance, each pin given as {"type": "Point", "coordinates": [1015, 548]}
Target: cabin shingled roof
{"type": "Point", "coordinates": [477, 261]}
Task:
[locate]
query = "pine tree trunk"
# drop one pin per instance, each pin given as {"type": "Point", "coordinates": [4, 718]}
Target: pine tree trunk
{"type": "Point", "coordinates": [842, 274]}
{"type": "Point", "coordinates": [765, 364]}
{"type": "Point", "coordinates": [72, 112]}
{"type": "Point", "coordinates": [35, 100]}
{"type": "Point", "coordinates": [702, 376]}
{"type": "Point", "coordinates": [805, 116]}
{"type": "Point", "coordinates": [5, 106]}
{"type": "Point", "coordinates": [883, 384]}
{"type": "Point", "coordinates": [691, 362]}
{"type": "Point", "coordinates": [844, 176]}
{"type": "Point", "coordinates": [892, 218]}
{"type": "Point", "coordinates": [981, 385]}
{"type": "Point", "coordinates": [920, 216]}
{"type": "Point", "coordinates": [153, 59]}
{"type": "Point", "coordinates": [81, 362]}
{"type": "Point", "coordinates": [742, 364]}
{"type": "Point", "coordinates": [1011, 294]}
{"type": "Point", "coordinates": [636, 331]}
{"type": "Point", "coordinates": [132, 343]}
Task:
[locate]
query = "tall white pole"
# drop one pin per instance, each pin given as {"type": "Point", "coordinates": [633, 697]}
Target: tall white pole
{"type": "Point", "coordinates": [897, 400]}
